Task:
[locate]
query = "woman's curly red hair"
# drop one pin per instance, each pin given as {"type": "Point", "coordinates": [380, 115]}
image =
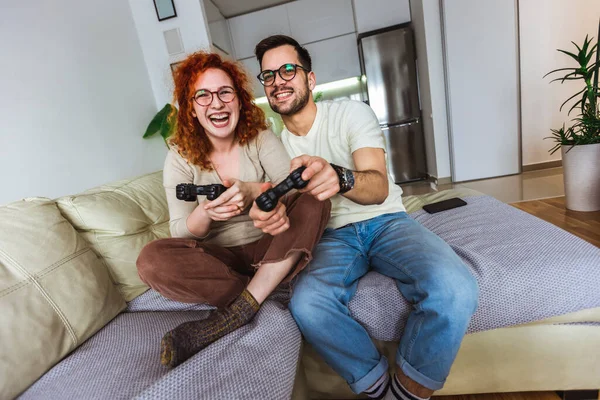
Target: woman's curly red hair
{"type": "Point", "coordinates": [190, 137]}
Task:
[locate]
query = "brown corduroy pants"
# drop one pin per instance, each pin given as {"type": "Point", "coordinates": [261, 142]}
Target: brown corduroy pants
{"type": "Point", "coordinates": [191, 271]}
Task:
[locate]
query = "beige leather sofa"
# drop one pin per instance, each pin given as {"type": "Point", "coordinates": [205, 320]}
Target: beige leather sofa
{"type": "Point", "coordinates": [61, 283]}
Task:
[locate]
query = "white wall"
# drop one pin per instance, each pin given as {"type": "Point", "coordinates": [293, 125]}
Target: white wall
{"type": "Point", "coordinates": [75, 98]}
{"type": "Point", "coordinates": [428, 37]}
{"type": "Point", "coordinates": [547, 25]}
{"type": "Point", "coordinates": [192, 25]}
{"type": "Point", "coordinates": [481, 63]}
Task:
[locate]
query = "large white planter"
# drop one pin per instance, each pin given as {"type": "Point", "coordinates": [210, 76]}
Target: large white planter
{"type": "Point", "coordinates": [581, 169]}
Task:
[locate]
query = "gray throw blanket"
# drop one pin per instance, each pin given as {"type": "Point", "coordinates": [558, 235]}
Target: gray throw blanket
{"type": "Point", "coordinates": [527, 270]}
{"type": "Point", "coordinates": [257, 361]}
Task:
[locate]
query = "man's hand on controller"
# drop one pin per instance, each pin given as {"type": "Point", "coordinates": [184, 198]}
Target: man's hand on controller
{"type": "Point", "coordinates": [324, 182]}
{"type": "Point", "coordinates": [273, 222]}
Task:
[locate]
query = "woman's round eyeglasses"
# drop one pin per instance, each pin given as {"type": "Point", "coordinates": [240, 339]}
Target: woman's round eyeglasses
{"type": "Point", "coordinates": [287, 72]}
{"type": "Point", "coordinates": [204, 97]}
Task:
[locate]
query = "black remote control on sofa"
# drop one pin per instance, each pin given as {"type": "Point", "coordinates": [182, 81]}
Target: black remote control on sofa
{"type": "Point", "coordinates": [268, 200]}
{"type": "Point", "coordinates": [190, 192]}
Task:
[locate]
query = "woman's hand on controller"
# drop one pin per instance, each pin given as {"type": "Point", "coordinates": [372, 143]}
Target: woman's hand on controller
{"type": "Point", "coordinates": [239, 194]}
{"type": "Point", "coordinates": [219, 212]}
{"type": "Point", "coordinates": [272, 222]}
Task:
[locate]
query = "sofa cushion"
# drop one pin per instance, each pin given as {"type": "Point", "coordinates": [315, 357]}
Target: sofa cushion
{"type": "Point", "coordinates": [119, 219]}
{"type": "Point", "coordinates": [54, 292]}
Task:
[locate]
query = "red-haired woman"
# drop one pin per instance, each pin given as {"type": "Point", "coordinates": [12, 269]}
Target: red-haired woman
{"type": "Point", "coordinates": [216, 254]}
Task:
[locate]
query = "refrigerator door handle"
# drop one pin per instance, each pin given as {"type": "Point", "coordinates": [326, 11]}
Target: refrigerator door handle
{"type": "Point", "coordinates": [389, 126]}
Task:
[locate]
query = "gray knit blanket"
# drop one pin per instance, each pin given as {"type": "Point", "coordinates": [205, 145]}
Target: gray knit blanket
{"type": "Point", "coordinates": [527, 270]}
{"type": "Point", "coordinates": [121, 361]}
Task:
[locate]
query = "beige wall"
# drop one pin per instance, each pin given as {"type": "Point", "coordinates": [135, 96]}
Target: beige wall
{"type": "Point", "coordinates": [547, 25]}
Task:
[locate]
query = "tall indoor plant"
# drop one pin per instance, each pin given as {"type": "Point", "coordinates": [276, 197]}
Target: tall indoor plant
{"type": "Point", "coordinates": [580, 142]}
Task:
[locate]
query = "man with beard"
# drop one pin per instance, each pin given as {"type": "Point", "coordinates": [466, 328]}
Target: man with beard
{"type": "Point", "coordinates": [369, 229]}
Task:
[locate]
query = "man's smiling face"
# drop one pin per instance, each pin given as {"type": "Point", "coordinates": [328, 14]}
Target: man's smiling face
{"type": "Point", "coordinates": [287, 97]}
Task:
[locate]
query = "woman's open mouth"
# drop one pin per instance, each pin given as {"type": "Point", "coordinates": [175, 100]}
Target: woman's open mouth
{"type": "Point", "coordinates": [219, 120]}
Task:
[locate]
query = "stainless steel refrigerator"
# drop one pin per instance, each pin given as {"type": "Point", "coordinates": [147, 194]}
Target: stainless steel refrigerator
{"type": "Point", "coordinates": [388, 60]}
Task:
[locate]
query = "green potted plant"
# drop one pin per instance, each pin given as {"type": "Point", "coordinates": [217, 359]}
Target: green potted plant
{"type": "Point", "coordinates": [580, 142]}
{"type": "Point", "coordinates": [163, 122]}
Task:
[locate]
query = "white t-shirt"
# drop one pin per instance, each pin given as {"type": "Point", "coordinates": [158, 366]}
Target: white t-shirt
{"type": "Point", "coordinates": [340, 128]}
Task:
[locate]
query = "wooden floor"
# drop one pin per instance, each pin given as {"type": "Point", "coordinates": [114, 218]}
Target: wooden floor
{"type": "Point", "coordinates": [503, 396]}
{"type": "Point", "coordinates": [586, 225]}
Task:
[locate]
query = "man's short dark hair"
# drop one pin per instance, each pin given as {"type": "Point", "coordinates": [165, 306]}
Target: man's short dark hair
{"type": "Point", "coordinates": [275, 41]}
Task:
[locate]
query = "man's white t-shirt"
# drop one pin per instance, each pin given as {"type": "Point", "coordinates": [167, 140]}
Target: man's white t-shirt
{"type": "Point", "coordinates": [340, 128]}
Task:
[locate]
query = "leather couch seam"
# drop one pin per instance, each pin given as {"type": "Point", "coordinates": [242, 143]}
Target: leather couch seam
{"type": "Point", "coordinates": [97, 245]}
{"type": "Point", "coordinates": [43, 272]}
{"type": "Point", "coordinates": [34, 280]}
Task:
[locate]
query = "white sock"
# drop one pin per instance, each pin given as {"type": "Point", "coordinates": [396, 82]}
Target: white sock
{"type": "Point", "coordinates": [400, 393]}
{"type": "Point", "coordinates": [379, 388]}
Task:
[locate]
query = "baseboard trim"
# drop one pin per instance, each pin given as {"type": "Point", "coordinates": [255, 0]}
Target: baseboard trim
{"type": "Point", "coordinates": [443, 181]}
{"type": "Point", "coordinates": [542, 165]}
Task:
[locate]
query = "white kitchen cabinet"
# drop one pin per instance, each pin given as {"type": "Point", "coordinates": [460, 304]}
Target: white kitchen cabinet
{"type": "Point", "coordinates": [335, 59]}
{"type": "Point", "coordinates": [219, 30]}
{"type": "Point", "coordinates": [249, 29]}
{"type": "Point", "coordinates": [219, 34]}
{"type": "Point", "coordinates": [377, 14]}
{"type": "Point", "coordinates": [253, 69]}
{"type": "Point", "coordinates": [313, 20]}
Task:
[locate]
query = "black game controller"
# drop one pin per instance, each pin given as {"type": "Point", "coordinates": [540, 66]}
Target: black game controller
{"type": "Point", "coordinates": [268, 200]}
{"type": "Point", "coordinates": [190, 192]}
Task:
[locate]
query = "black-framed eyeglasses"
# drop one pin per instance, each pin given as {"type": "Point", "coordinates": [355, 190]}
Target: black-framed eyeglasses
{"type": "Point", "coordinates": [287, 72]}
{"type": "Point", "coordinates": [204, 97]}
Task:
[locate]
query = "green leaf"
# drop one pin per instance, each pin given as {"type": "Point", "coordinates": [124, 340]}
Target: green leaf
{"type": "Point", "coordinates": [584, 42]}
{"type": "Point", "coordinates": [560, 69]}
{"type": "Point", "coordinates": [583, 51]}
{"type": "Point", "coordinates": [582, 102]}
{"type": "Point", "coordinates": [589, 55]}
{"type": "Point", "coordinates": [568, 77]}
{"type": "Point", "coordinates": [575, 57]}
{"type": "Point", "coordinates": [156, 123]}
{"type": "Point", "coordinates": [592, 68]}
{"type": "Point", "coordinates": [166, 128]}
{"type": "Point", "coordinates": [575, 95]}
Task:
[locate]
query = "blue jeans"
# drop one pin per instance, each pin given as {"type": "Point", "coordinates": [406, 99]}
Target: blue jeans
{"type": "Point", "coordinates": [427, 272]}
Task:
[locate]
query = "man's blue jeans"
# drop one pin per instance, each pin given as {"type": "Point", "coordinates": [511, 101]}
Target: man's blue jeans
{"type": "Point", "coordinates": [427, 272]}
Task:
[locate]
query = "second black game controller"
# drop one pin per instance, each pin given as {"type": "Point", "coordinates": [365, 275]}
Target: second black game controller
{"type": "Point", "coordinates": [268, 200]}
{"type": "Point", "coordinates": [190, 192]}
